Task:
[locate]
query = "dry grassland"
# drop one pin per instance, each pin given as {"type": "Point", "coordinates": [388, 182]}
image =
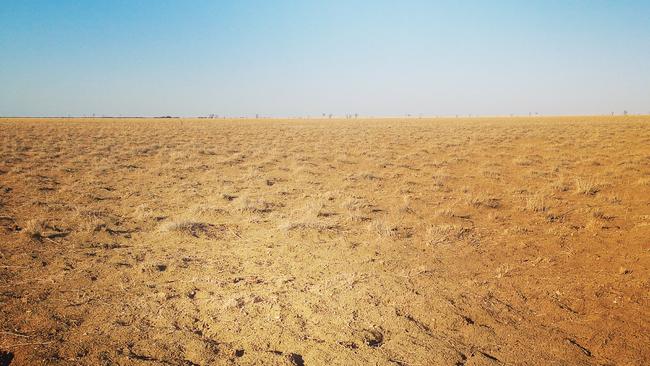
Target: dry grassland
{"type": "Point", "coordinates": [514, 241]}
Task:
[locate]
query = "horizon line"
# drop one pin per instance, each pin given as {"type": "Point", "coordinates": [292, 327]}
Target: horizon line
{"type": "Point", "coordinates": [343, 117]}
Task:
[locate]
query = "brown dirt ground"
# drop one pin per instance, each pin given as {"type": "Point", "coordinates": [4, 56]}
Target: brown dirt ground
{"type": "Point", "coordinates": [515, 241]}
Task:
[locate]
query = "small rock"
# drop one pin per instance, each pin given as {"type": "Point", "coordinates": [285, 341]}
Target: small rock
{"type": "Point", "coordinates": [296, 359]}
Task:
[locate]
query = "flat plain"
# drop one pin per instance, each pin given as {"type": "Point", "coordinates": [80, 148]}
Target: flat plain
{"type": "Point", "coordinates": [477, 241]}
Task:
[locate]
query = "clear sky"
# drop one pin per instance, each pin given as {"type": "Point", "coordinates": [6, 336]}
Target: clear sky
{"type": "Point", "coordinates": [299, 58]}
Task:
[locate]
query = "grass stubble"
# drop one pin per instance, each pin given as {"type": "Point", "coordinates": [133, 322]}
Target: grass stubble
{"type": "Point", "coordinates": [302, 242]}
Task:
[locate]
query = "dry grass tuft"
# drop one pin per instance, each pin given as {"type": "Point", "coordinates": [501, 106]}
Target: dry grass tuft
{"type": "Point", "coordinates": [601, 215]}
{"type": "Point", "coordinates": [257, 205]}
{"type": "Point", "coordinates": [483, 200]}
{"type": "Point", "coordinates": [406, 207]}
{"type": "Point", "coordinates": [356, 208]}
{"type": "Point", "coordinates": [386, 227]}
{"type": "Point", "coordinates": [522, 161]}
{"type": "Point", "coordinates": [445, 233]}
{"type": "Point", "coordinates": [587, 186]}
{"type": "Point", "coordinates": [35, 229]}
{"type": "Point", "coordinates": [537, 203]}
{"type": "Point", "coordinates": [383, 228]}
{"type": "Point", "coordinates": [561, 185]}
{"type": "Point", "coordinates": [645, 181]}
{"type": "Point", "coordinates": [206, 209]}
{"type": "Point", "coordinates": [43, 229]}
{"type": "Point", "coordinates": [311, 216]}
{"type": "Point", "coordinates": [195, 228]}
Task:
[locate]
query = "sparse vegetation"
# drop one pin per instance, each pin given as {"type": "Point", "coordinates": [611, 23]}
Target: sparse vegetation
{"type": "Point", "coordinates": [537, 203]}
{"type": "Point", "coordinates": [587, 186]}
{"type": "Point", "coordinates": [208, 242]}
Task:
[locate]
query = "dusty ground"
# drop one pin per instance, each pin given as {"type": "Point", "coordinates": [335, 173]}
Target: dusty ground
{"type": "Point", "coordinates": [405, 242]}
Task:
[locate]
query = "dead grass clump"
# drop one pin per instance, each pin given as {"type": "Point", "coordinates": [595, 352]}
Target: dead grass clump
{"type": "Point", "coordinates": [88, 220]}
{"type": "Point", "coordinates": [448, 212]}
{"type": "Point", "coordinates": [561, 185]}
{"type": "Point", "coordinates": [387, 228]}
{"type": "Point", "coordinates": [601, 215]}
{"type": "Point", "coordinates": [537, 203]}
{"type": "Point", "coordinates": [353, 203]}
{"type": "Point", "coordinates": [143, 212]}
{"type": "Point", "coordinates": [614, 199]}
{"type": "Point", "coordinates": [444, 212]}
{"type": "Point", "coordinates": [492, 174]}
{"type": "Point", "coordinates": [355, 208]}
{"type": "Point", "coordinates": [521, 161]}
{"type": "Point", "coordinates": [228, 197]}
{"type": "Point", "coordinates": [257, 205]}
{"type": "Point", "coordinates": [645, 181]}
{"type": "Point", "coordinates": [555, 217]}
{"type": "Point", "coordinates": [383, 228]}
{"type": "Point", "coordinates": [587, 186]}
{"type": "Point", "coordinates": [405, 207]}
{"type": "Point", "coordinates": [308, 223]}
{"type": "Point", "coordinates": [205, 209]}
{"type": "Point", "coordinates": [194, 228]}
{"type": "Point", "coordinates": [484, 201]}
{"type": "Point", "coordinates": [312, 216]}
{"type": "Point", "coordinates": [363, 176]}
{"type": "Point", "coordinates": [440, 180]}
{"type": "Point", "coordinates": [437, 234]}
{"type": "Point", "coordinates": [34, 229]}
{"type": "Point", "coordinates": [369, 176]}
{"type": "Point", "coordinates": [42, 229]}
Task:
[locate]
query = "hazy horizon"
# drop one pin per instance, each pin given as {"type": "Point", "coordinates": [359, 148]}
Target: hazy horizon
{"type": "Point", "coordinates": [290, 59]}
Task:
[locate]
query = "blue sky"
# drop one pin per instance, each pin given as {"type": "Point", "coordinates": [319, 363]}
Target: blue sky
{"type": "Point", "coordinates": [299, 58]}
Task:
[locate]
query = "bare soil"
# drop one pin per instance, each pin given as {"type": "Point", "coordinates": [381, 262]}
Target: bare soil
{"type": "Point", "coordinates": [514, 241]}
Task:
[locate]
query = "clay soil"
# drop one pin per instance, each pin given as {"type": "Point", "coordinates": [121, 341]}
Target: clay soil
{"type": "Point", "coordinates": [483, 241]}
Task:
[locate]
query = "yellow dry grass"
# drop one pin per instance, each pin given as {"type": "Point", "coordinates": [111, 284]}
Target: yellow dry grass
{"type": "Point", "coordinates": [386, 241]}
